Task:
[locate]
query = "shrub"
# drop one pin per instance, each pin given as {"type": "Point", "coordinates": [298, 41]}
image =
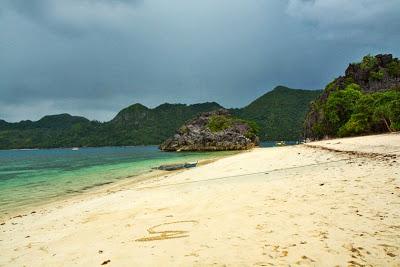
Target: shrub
{"type": "Point", "coordinates": [377, 112]}
{"type": "Point", "coordinates": [254, 128]}
{"type": "Point", "coordinates": [386, 109]}
{"type": "Point", "coordinates": [377, 75]}
{"type": "Point", "coordinates": [219, 123]}
{"type": "Point", "coordinates": [358, 124]}
{"type": "Point", "coordinates": [339, 107]}
{"type": "Point", "coordinates": [394, 68]}
{"type": "Point", "coordinates": [368, 62]}
{"type": "Point", "coordinates": [394, 114]}
{"type": "Point", "coordinates": [184, 129]}
{"type": "Point", "coordinates": [361, 119]}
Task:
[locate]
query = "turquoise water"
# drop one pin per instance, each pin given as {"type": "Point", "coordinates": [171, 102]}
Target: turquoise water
{"type": "Point", "coordinates": [32, 177]}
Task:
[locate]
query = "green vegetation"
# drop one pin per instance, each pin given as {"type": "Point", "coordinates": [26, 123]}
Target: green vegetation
{"type": "Point", "coordinates": [218, 123]}
{"type": "Point", "coordinates": [277, 115]}
{"type": "Point", "coordinates": [134, 125]}
{"type": "Point", "coordinates": [374, 112]}
{"type": "Point", "coordinates": [339, 107]}
{"type": "Point", "coordinates": [377, 75]}
{"type": "Point", "coordinates": [350, 112]}
{"type": "Point", "coordinates": [364, 101]}
{"type": "Point", "coordinates": [368, 62]}
{"type": "Point", "coordinates": [394, 68]}
{"type": "Point", "coordinates": [254, 129]}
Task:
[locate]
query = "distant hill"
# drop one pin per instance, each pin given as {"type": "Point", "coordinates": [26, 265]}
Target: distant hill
{"type": "Point", "coordinates": [138, 124]}
{"type": "Point", "coordinates": [279, 114]}
{"type": "Point", "coordinates": [134, 125]}
{"type": "Point", "coordinates": [3, 124]}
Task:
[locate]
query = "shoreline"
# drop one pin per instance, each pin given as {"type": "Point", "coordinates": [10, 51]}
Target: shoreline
{"type": "Point", "coordinates": [39, 148]}
{"type": "Point", "coordinates": [295, 205]}
{"type": "Point", "coordinates": [100, 190]}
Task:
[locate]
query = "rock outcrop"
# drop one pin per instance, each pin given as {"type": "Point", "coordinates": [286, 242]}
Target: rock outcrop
{"type": "Point", "coordinates": [373, 74]}
{"type": "Point", "coordinates": [212, 131]}
{"type": "Point", "coordinates": [374, 78]}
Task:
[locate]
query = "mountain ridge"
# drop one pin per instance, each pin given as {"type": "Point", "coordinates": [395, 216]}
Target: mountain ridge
{"type": "Point", "coordinates": [274, 118]}
{"type": "Point", "coordinates": [140, 125]}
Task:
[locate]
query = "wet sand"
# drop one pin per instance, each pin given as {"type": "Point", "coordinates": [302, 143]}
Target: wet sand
{"type": "Point", "coordinates": [329, 203]}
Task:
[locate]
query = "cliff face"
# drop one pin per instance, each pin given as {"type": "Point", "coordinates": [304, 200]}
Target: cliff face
{"type": "Point", "coordinates": [379, 74]}
{"type": "Point", "coordinates": [374, 74]}
{"type": "Point", "coordinates": [211, 131]}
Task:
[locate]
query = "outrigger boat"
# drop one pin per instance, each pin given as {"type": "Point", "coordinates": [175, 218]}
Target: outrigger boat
{"type": "Point", "coordinates": [191, 165]}
{"type": "Point", "coordinates": [179, 166]}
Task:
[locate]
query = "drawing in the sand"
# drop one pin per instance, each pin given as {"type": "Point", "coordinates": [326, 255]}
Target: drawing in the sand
{"type": "Point", "coordinates": [156, 233]}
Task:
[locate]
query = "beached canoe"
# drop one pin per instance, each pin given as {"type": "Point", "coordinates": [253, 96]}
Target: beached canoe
{"type": "Point", "coordinates": [190, 165]}
{"type": "Point", "coordinates": [173, 167]}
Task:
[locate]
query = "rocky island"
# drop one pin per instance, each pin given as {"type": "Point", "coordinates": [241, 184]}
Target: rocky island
{"type": "Point", "coordinates": [212, 131]}
{"type": "Point", "coordinates": [366, 100]}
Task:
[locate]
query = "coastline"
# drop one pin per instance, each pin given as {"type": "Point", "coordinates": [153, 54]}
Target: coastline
{"type": "Point", "coordinates": [315, 204]}
{"type": "Point", "coordinates": [100, 190]}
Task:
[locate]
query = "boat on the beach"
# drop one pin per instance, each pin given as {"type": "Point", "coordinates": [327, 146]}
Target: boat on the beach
{"type": "Point", "coordinates": [178, 166]}
{"type": "Point", "coordinates": [191, 165]}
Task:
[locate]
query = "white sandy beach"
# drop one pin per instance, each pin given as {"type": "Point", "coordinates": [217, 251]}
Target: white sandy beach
{"type": "Point", "coordinates": [305, 205]}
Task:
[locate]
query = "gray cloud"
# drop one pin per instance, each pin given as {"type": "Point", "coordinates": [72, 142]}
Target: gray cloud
{"type": "Point", "coordinates": [92, 58]}
{"type": "Point", "coordinates": [75, 17]}
{"type": "Point", "coordinates": [360, 20]}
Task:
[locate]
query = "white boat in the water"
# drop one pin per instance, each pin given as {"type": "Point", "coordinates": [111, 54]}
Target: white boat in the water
{"type": "Point", "coordinates": [75, 148]}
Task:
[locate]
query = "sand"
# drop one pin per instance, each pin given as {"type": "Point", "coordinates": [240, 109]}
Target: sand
{"type": "Point", "coordinates": [305, 205]}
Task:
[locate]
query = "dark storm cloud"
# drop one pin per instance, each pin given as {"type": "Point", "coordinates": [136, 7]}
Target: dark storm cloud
{"type": "Point", "coordinates": [73, 17]}
{"type": "Point", "coordinates": [358, 20]}
{"type": "Point", "coordinates": [93, 57]}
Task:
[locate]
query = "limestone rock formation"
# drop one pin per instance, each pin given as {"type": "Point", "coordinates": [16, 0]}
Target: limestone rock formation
{"type": "Point", "coordinates": [374, 74]}
{"type": "Point", "coordinates": [212, 131]}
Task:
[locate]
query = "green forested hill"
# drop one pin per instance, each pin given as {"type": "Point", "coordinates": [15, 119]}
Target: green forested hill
{"type": "Point", "coordinates": [138, 124]}
{"type": "Point", "coordinates": [61, 130]}
{"type": "Point", "coordinates": [365, 100]}
{"type": "Point", "coordinates": [279, 114]}
{"type": "Point", "coordinates": [134, 125]}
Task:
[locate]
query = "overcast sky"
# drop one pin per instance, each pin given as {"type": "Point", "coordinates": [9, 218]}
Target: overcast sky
{"type": "Point", "coordinates": [94, 57]}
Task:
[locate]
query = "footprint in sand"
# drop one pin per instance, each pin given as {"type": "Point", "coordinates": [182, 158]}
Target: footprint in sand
{"type": "Point", "coordinates": [304, 260]}
{"type": "Point", "coordinates": [263, 264]}
{"type": "Point", "coordinates": [391, 251]}
{"type": "Point", "coordinates": [193, 254]}
{"type": "Point", "coordinates": [155, 234]}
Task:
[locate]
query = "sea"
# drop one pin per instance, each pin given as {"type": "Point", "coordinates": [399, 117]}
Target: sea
{"type": "Point", "coordinates": [30, 178]}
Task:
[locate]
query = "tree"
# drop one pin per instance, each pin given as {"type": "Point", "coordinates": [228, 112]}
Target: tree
{"type": "Point", "coordinates": [340, 106]}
